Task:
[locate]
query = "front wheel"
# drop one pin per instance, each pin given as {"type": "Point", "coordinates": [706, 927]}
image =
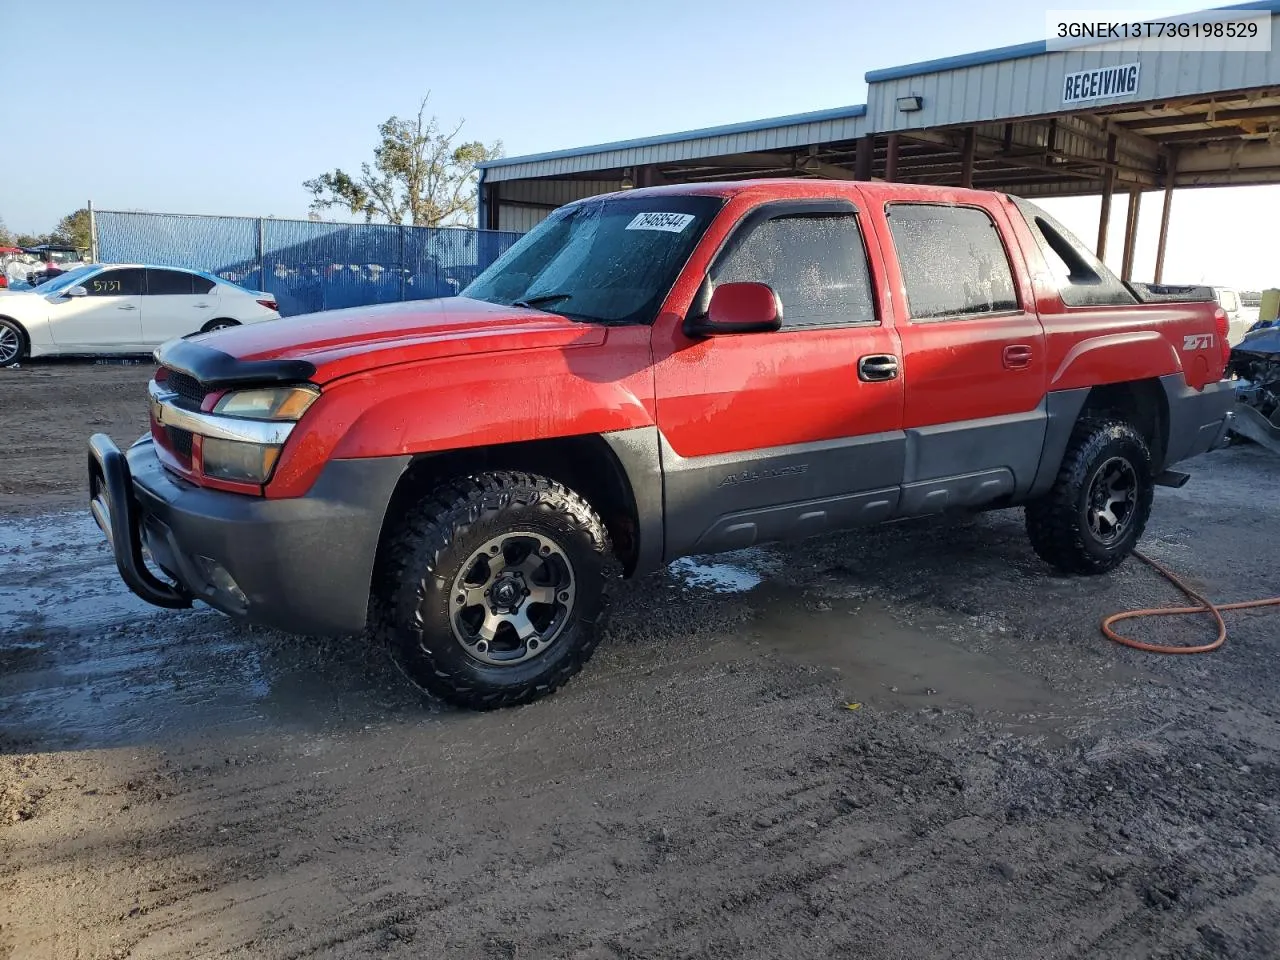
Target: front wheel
{"type": "Point", "coordinates": [1098, 507]}
{"type": "Point", "coordinates": [490, 590]}
{"type": "Point", "coordinates": [13, 343]}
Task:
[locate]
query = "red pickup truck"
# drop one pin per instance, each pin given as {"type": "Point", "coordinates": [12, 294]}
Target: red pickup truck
{"type": "Point", "coordinates": [649, 375]}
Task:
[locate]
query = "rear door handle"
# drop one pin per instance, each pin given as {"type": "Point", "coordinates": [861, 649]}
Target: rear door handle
{"type": "Point", "coordinates": [876, 367]}
{"type": "Point", "coordinates": [201, 306]}
{"type": "Point", "coordinates": [1017, 356]}
{"type": "Point", "coordinates": [126, 306]}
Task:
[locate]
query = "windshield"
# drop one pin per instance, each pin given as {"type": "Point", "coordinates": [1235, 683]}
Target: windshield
{"type": "Point", "coordinates": [611, 260]}
{"type": "Point", "coordinates": [65, 280]}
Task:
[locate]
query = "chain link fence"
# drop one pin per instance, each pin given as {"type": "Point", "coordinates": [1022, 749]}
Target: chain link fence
{"type": "Point", "coordinates": [306, 265]}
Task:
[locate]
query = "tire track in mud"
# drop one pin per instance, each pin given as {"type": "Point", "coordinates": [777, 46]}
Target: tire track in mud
{"type": "Point", "coordinates": [700, 791]}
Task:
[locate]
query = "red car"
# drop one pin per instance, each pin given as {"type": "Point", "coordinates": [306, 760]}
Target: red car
{"type": "Point", "coordinates": [649, 375]}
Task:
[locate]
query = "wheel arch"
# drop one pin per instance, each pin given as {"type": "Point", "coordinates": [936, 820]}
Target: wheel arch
{"type": "Point", "coordinates": [615, 473]}
{"type": "Point", "coordinates": [1142, 402]}
{"type": "Point", "coordinates": [230, 321]}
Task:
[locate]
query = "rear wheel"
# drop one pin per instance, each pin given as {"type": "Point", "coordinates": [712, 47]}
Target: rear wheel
{"type": "Point", "coordinates": [1097, 510]}
{"type": "Point", "coordinates": [490, 590]}
{"type": "Point", "coordinates": [218, 325]}
{"type": "Point", "coordinates": [13, 343]}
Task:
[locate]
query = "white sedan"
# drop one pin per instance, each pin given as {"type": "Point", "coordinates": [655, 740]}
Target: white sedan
{"type": "Point", "coordinates": [122, 309]}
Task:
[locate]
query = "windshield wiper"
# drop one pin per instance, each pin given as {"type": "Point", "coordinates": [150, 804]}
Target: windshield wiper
{"type": "Point", "coordinates": [531, 302]}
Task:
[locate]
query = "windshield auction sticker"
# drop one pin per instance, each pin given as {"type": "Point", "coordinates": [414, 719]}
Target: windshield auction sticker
{"type": "Point", "coordinates": [668, 222]}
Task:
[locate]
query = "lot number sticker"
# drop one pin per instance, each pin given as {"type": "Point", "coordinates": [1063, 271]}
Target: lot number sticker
{"type": "Point", "coordinates": [668, 222]}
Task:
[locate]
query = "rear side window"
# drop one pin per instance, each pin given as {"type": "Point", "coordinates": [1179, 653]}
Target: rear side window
{"type": "Point", "coordinates": [1083, 280]}
{"type": "Point", "coordinates": [115, 283]}
{"type": "Point", "coordinates": [201, 285]}
{"type": "Point", "coordinates": [953, 263]}
{"type": "Point", "coordinates": [168, 283]}
{"type": "Point", "coordinates": [816, 263]}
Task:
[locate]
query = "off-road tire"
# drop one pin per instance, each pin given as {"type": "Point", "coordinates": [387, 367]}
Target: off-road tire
{"type": "Point", "coordinates": [410, 612]}
{"type": "Point", "coordinates": [1057, 523]}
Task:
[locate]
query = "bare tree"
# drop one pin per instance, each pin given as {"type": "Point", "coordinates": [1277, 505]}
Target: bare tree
{"type": "Point", "coordinates": [419, 175]}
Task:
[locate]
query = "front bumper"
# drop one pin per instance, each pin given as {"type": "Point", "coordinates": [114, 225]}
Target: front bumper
{"type": "Point", "coordinates": [303, 564]}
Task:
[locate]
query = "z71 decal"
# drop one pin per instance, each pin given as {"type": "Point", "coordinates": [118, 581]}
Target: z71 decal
{"type": "Point", "coordinates": [1197, 341]}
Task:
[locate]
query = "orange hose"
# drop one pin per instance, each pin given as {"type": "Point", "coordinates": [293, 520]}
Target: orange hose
{"type": "Point", "coordinates": [1206, 606]}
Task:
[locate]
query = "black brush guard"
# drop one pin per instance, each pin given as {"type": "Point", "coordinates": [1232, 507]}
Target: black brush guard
{"type": "Point", "coordinates": [116, 512]}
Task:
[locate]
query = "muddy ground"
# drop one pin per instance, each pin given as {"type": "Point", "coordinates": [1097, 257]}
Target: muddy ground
{"type": "Point", "coordinates": [1011, 785]}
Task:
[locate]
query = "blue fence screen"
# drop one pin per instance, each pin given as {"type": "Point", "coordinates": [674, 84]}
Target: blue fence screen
{"type": "Point", "coordinates": [306, 265]}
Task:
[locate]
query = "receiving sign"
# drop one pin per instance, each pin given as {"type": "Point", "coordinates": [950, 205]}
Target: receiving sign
{"type": "Point", "coordinates": [1099, 84]}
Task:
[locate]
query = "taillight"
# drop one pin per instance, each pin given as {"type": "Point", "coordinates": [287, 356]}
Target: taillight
{"type": "Point", "coordinates": [1223, 328]}
{"type": "Point", "coordinates": [269, 304]}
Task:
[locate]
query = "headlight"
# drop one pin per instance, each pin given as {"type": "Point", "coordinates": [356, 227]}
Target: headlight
{"type": "Point", "coordinates": [268, 403]}
{"type": "Point", "coordinates": [238, 461]}
{"type": "Point", "coordinates": [243, 460]}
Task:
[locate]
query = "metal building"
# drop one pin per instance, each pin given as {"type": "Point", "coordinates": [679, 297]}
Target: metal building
{"type": "Point", "coordinates": [1022, 119]}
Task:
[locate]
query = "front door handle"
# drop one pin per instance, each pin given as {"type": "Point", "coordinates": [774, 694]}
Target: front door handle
{"type": "Point", "coordinates": [1017, 356]}
{"type": "Point", "coordinates": [876, 367]}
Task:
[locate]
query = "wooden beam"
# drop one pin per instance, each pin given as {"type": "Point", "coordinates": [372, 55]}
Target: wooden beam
{"type": "Point", "coordinates": [891, 158]}
{"type": "Point", "coordinates": [1130, 234]}
{"type": "Point", "coordinates": [1170, 178]}
{"type": "Point", "coordinates": [1108, 188]}
{"type": "Point", "coordinates": [1219, 116]}
{"type": "Point", "coordinates": [863, 164]}
{"type": "Point", "coordinates": [968, 152]}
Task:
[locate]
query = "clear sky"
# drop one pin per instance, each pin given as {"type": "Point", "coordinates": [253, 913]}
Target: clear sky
{"type": "Point", "coordinates": [226, 106]}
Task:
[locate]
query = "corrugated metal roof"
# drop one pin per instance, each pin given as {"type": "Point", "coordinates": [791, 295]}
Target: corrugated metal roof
{"type": "Point", "coordinates": [1019, 50]}
{"type": "Point", "coordinates": [727, 130]}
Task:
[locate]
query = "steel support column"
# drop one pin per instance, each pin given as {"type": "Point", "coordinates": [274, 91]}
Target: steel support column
{"type": "Point", "coordinates": [968, 154]}
{"type": "Point", "coordinates": [1170, 176]}
{"type": "Point", "coordinates": [1130, 234]}
{"type": "Point", "coordinates": [891, 158]}
{"type": "Point", "coordinates": [1108, 188]}
{"type": "Point", "coordinates": [865, 158]}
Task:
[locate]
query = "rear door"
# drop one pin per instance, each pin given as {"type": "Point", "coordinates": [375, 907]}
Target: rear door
{"type": "Point", "coordinates": [775, 435]}
{"type": "Point", "coordinates": [175, 303]}
{"type": "Point", "coordinates": [974, 357]}
{"type": "Point", "coordinates": [107, 320]}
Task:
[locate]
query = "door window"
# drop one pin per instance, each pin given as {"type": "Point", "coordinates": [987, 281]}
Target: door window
{"type": "Point", "coordinates": [816, 263]}
{"type": "Point", "coordinates": [126, 282]}
{"type": "Point", "coordinates": [168, 283]}
{"type": "Point", "coordinates": [952, 260]}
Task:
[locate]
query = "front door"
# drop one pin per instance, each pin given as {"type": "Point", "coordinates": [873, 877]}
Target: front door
{"type": "Point", "coordinates": [108, 319]}
{"type": "Point", "coordinates": [974, 359]}
{"type": "Point", "coordinates": [174, 304]}
{"type": "Point", "coordinates": [769, 436]}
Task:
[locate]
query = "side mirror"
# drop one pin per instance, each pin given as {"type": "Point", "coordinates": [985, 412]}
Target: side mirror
{"type": "Point", "coordinates": [77, 292]}
{"type": "Point", "coordinates": [738, 308]}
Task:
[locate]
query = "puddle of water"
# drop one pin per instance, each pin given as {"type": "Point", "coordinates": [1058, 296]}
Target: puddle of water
{"type": "Point", "coordinates": [83, 662]}
{"type": "Point", "coordinates": [736, 572]}
{"type": "Point", "coordinates": [902, 665]}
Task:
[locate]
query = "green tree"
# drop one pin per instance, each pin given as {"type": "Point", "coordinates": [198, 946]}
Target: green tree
{"type": "Point", "coordinates": [73, 230]}
{"type": "Point", "coordinates": [420, 175]}
{"type": "Point", "coordinates": [6, 238]}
